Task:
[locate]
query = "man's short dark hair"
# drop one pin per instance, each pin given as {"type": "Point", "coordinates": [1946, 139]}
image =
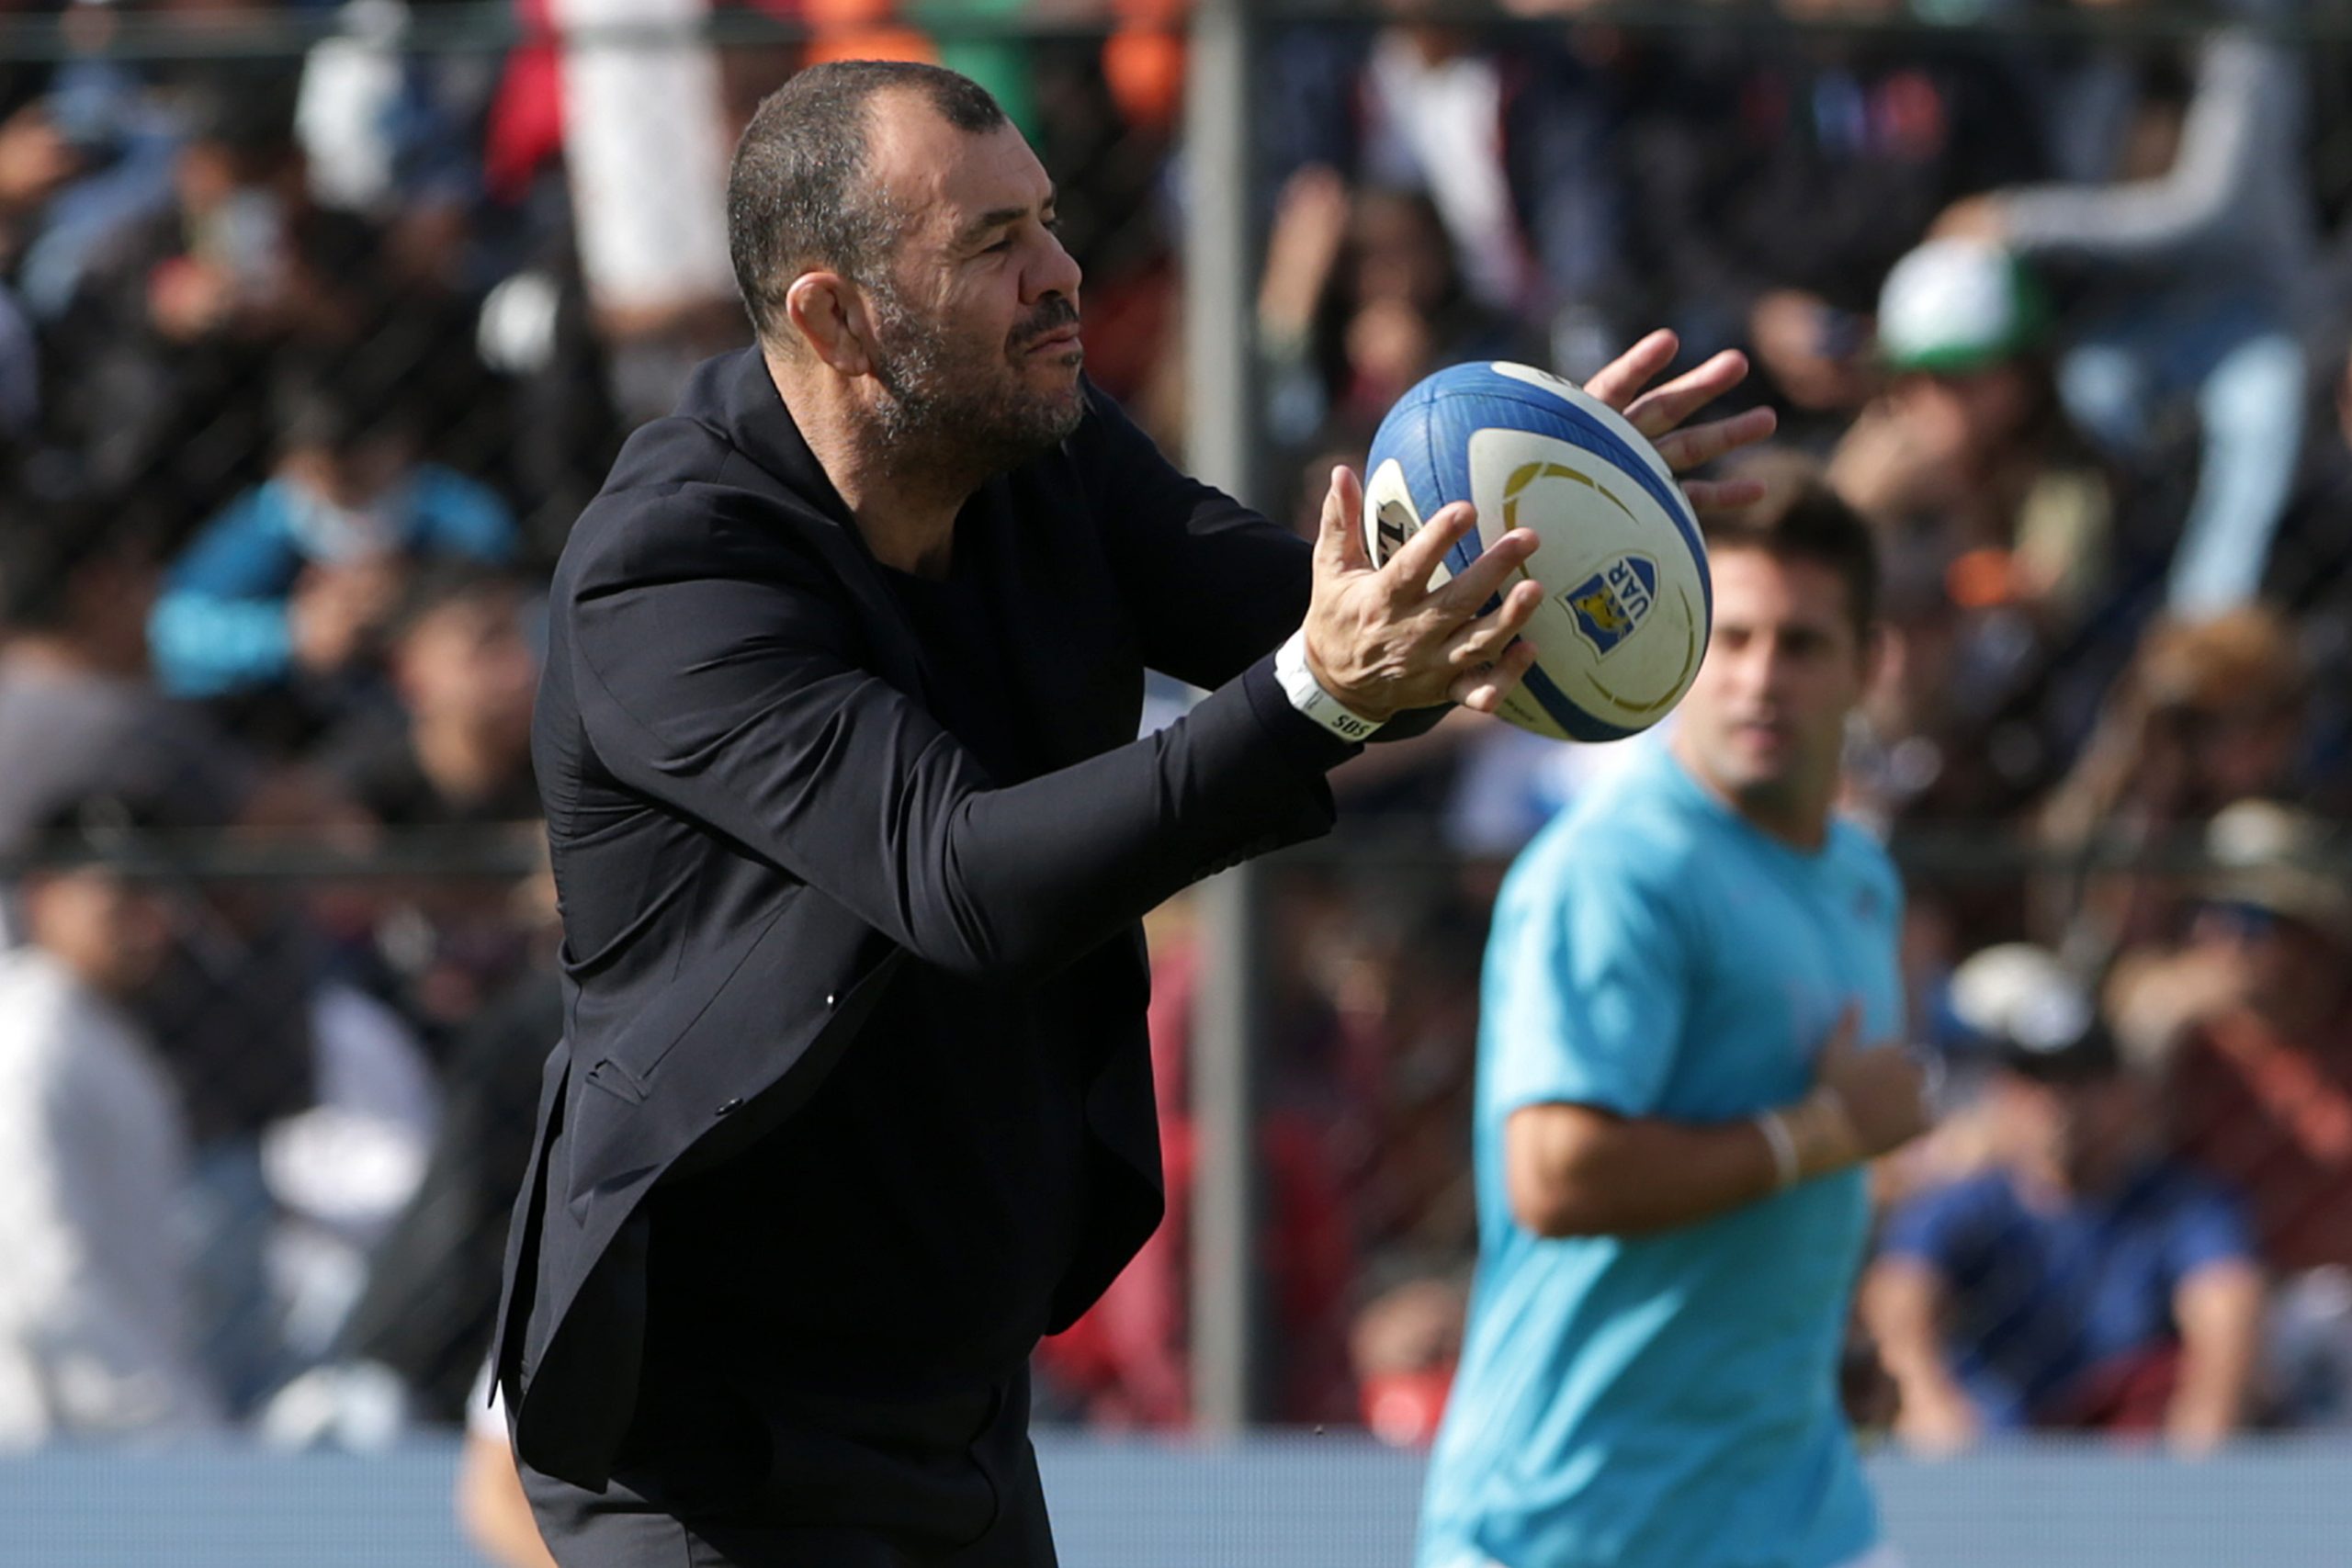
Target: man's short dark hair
{"type": "Point", "coordinates": [45, 552]}
{"type": "Point", "coordinates": [1800, 518]}
{"type": "Point", "coordinates": [437, 585]}
{"type": "Point", "coordinates": [339, 402]}
{"type": "Point", "coordinates": [795, 197]}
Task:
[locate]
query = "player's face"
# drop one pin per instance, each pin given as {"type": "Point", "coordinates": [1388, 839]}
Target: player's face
{"type": "Point", "coordinates": [1765, 721]}
{"type": "Point", "coordinates": [976, 326]}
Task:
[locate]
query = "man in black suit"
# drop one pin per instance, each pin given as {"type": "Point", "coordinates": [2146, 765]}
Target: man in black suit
{"type": "Point", "coordinates": [852, 830]}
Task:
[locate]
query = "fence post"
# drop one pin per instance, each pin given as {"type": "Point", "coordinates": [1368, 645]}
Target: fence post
{"type": "Point", "coordinates": [1220, 272]}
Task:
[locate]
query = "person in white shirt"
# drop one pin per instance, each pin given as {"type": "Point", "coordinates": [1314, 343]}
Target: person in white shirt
{"type": "Point", "coordinates": [93, 1340]}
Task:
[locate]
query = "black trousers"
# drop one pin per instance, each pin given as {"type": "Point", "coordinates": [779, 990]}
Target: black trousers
{"type": "Point", "coordinates": [939, 1483]}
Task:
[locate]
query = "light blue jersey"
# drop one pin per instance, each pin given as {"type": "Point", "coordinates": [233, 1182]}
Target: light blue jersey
{"type": "Point", "coordinates": [1668, 1401]}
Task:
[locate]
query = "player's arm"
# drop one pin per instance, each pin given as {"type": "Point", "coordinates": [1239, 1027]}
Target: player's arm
{"type": "Point", "coordinates": [2217, 1307]}
{"type": "Point", "coordinates": [1575, 1170]}
{"type": "Point", "coordinates": [1903, 1304]}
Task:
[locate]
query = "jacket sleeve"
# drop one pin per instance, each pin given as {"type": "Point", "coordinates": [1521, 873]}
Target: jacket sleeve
{"type": "Point", "coordinates": [725, 684]}
{"type": "Point", "coordinates": [1214, 585]}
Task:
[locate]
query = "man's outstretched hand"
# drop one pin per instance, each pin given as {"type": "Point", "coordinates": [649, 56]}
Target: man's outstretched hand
{"type": "Point", "coordinates": [1659, 415]}
{"type": "Point", "coordinates": [1382, 640]}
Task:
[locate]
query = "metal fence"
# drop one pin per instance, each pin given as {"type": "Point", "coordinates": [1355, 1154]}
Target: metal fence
{"type": "Point", "coordinates": [283, 285]}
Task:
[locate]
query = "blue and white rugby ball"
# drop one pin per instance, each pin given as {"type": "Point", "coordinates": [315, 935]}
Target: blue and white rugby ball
{"type": "Point", "coordinates": [1627, 605]}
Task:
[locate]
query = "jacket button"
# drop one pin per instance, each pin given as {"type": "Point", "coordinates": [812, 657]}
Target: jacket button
{"type": "Point", "coordinates": [730, 1106]}
{"type": "Point", "coordinates": [830, 998]}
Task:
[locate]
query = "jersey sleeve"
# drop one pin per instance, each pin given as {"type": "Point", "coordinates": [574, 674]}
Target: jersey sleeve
{"type": "Point", "coordinates": [1932, 1229]}
{"type": "Point", "coordinates": [1588, 987]}
{"type": "Point", "coordinates": [2208, 1228]}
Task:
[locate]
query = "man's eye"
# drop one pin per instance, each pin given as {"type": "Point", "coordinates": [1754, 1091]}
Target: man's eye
{"type": "Point", "coordinates": [1004, 244]}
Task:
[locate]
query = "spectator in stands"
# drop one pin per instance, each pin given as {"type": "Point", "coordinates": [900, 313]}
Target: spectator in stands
{"type": "Point", "coordinates": [1967, 460]}
{"type": "Point", "coordinates": [95, 1340]}
{"type": "Point", "coordinates": [456, 749]}
{"type": "Point", "coordinates": [79, 711]}
{"type": "Point", "coordinates": [120, 139]}
{"type": "Point", "coordinates": [453, 751]}
{"type": "Point", "coordinates": [1362, 296]}
{"type": "Point", "coordinates": [2193, 232]}
{"type": "Point", "coordinates": [39, 159]}
{"type": "Point", "coordinates": [288, 589]}
{"type": "Point", "coordinates": [2208, 713]}
{"type": "Point", "coordinates": [1782, 177]}
{"type": "Point", "coordinates": [161, 362]}
{"type": "Point", "coordinates": [1509, 139]}
{"type": "Point", "coordinates": [2254, 1011]}
{"type": "Point", "coordinates": [1995, 519]}
{"type": "Point", "coordinates": [2086, 1280]}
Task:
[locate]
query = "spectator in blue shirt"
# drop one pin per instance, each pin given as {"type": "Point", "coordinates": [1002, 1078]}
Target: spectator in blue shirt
{"type": "Point", "coordinates": [2085, 1280]}
{"type": "Point", "coordinates": [294, 578]}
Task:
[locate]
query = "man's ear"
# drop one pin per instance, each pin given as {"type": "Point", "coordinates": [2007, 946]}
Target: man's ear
{"type": "Point", "coordinates": [828, 312]}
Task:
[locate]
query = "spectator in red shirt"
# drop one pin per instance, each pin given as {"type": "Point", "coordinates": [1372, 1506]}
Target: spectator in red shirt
{"type": "Point", "coordinates": [2256, 1009]}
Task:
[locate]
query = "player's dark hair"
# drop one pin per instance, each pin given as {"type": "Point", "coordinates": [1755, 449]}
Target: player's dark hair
{"type": "Point", "coordinates": [1802, 518]}
{"type": "Point", "coordinates": [795, 197]}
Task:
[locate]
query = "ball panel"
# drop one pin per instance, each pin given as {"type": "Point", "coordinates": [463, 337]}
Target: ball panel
{"type": "Point", "coordinates": [1620, 628]}
{"type": "Point", "coordinates": [1522, 397]}
{"type": "Point", "coordinates": [1390, 515]}
{"type": "Point", "coordinates": [1629, 605]}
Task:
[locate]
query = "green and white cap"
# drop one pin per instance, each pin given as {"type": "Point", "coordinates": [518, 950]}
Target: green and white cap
{"type": "Point", "coordinates": [1953, 306]}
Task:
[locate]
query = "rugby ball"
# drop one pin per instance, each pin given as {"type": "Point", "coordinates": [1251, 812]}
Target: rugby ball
{"type": "Point", "coordinates": [1627, 603]}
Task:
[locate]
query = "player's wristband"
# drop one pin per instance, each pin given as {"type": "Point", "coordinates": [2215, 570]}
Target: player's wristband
{"type": "Point", "coordinates": [1784, 1144]}
{"type": "Point", "coordinates": [1822, 1133]}
{"type": "Point", "coordinates": [1308, 695]}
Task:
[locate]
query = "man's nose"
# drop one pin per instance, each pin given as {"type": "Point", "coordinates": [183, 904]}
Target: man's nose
{"type": "Point", "coordinates": [1057, 273]}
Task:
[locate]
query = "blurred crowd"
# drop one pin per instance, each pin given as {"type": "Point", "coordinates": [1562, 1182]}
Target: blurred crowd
{"type": "Point", "coordinates": [308, 355]}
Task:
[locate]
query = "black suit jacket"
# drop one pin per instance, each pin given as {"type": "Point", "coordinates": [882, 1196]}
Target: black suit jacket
{"type": "Point", "coordinates": [755, 825]}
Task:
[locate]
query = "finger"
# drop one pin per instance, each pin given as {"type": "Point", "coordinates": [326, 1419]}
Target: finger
{"type": "Point", "coordinates": [1712, 497]}
{"type": "Point", "coordinates": [1483, 691]}
{"type": "Point", "coordinates": [1484, 641]}
{"type": "Point", "coordinates": [1703, 444]}
{"type": "Point", "coordinates": [1491, 573]}
{"type": "Point", "coordinates": [1338, 542]}
{"type": "Point", "coordinates": [1622, 380]}
{"type": "Point", "coordinates": [1417, 558]}
{"type": "Point", "coordinates": [1654, 413]}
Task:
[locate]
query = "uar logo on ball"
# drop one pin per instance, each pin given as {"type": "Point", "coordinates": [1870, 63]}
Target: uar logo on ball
{"type": "Point", "coordinates": [1629, 604]}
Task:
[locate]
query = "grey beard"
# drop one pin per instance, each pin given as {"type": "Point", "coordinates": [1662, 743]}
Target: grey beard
{"type": "Point", "coordinates": [963, 433]}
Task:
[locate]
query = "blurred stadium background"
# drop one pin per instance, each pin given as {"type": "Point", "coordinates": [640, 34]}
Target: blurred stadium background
{"type": "Point", "coordinates": [319, 322]}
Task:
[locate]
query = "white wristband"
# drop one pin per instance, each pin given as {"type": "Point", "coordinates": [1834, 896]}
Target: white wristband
{"type": "Point", "coordinates": [1308, 695]}
{"type": "Point", "coordinates": [1784, 1144]}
